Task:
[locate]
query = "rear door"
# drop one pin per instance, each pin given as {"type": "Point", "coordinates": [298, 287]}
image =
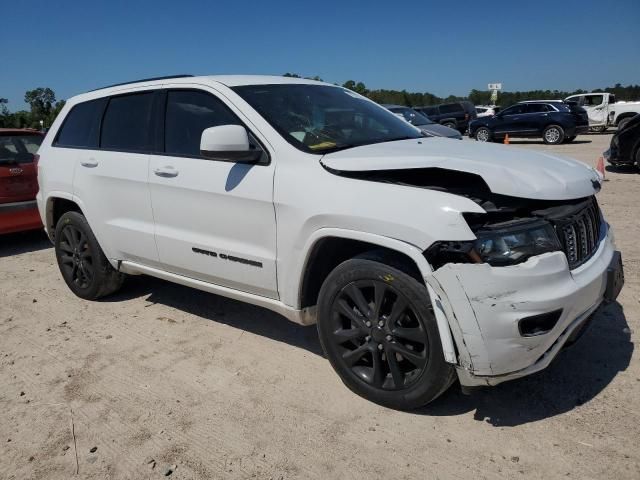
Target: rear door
{"type": "Point", "coordinates": [110, 177]}
{"type": "Point", "coordinates": [18, 180]}
{"type": "Point", "coordinates": [535, 118]}
{"type": "Point", "coordinates": [214, 220]}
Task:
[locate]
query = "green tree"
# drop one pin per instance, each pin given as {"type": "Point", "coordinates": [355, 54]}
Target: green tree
{"type": "Point", "coordinates": [41, 100]}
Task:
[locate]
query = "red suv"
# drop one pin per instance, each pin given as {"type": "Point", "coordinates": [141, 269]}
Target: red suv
{"type": "Point", "coordinates": [18, 179]}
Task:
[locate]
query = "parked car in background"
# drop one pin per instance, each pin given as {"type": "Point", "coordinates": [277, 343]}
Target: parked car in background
{"type": "Point", "coordinates": [625, 144]}
{"type": "Point", "coordinates": [604, 111]}
{"type": "Point", "coordinates": [555, 121]}
{"type": "Point", "coordinates": [486, 111]}
{"type": "Point", "coordinates": [18, 180]}
{"type": "Point", "coordinates": [456, 115]}
{"type": "Point", "coordinates": [426, 125]}
{"type": "Point", "coordinates": [421, 260]}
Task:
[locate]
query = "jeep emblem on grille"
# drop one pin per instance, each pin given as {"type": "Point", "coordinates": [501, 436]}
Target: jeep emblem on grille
{"type": "Point", "coordinates": [15, 171]}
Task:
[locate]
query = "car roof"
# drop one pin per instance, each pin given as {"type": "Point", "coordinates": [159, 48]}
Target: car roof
{"type": "Point", "coordinates": [226, 80]}
{"type": "Point", "coordinates": [542, 101]}
{"type": "Point", "coordinates": [388, 105]}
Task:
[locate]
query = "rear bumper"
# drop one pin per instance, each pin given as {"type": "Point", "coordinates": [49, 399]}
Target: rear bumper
{"type": "Point", "coordinates": [19, 216]}
{"type": "Point", "coordinates": [484, 306]}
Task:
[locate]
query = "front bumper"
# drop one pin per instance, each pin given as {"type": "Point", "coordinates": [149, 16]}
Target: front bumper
{"type": "Point", "coordinates": [19, 216]}
{"type": "Point", "coordinates": [483, 306]}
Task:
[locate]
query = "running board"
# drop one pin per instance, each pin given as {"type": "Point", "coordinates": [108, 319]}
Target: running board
{"type": "Point", "coordinates": [302, 317]}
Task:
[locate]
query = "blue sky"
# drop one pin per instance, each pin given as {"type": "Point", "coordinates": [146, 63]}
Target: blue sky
{"type": "Point", "coordinates": [442, 47]}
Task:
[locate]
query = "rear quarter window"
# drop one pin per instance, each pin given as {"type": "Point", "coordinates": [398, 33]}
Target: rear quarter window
{"type": "Point", "coordinates": [81, 127]}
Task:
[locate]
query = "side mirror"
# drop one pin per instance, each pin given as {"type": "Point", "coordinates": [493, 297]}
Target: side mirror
{"type": "Point", "coordinates": [228, 143]}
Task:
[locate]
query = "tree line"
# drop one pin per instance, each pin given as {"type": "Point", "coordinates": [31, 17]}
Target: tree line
{"type": "Point", "coordinates": [43, 107]}
{"type": "Point", "coordinates": [477, 97]}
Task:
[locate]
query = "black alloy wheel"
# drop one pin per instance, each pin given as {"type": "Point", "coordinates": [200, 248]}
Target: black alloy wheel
{"type": "Point", "coordinates": [378, 330]}
{"type": "Point", "coordinates": [381, 339]}
{"type": "Point", "coordinates": [83, 265]}
{"type": "Point", "coordinates": [76, 259]}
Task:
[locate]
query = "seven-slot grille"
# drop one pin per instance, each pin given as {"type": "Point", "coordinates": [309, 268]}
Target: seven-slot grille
{"type": "Point", "coordinates": [579, 234]}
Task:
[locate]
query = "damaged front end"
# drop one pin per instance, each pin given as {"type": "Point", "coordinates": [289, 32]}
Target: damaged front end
{"type": "Point", "coordinates": [540, 264]}
{"type": "Point", "coordinates": [525, 287]}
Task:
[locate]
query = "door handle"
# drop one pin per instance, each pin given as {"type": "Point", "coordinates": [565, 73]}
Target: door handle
{"type": "Point", "coordinates": [90, 163]}
{"type": "Point", "coordinates": [166, 172]}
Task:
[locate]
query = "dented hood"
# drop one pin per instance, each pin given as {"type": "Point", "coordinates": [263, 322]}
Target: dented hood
{"type": "Point", "coordinates": [506, 170]}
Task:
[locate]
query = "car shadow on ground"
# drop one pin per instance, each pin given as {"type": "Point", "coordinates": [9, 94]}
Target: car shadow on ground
{"type": "Point", "coordinates": [23, 242]}
{"type": "Point", "coordinates": [577, 375]}
{"type": "Point", "coordinates": [540, 142]}
{"type": "Point", "coordinates": [624, 169]}
{"type": "Point", "coordinates": [216, 308]}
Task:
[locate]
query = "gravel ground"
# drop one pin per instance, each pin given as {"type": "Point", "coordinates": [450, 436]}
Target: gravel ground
{"type": "Point", "coordinates": [165, 380]}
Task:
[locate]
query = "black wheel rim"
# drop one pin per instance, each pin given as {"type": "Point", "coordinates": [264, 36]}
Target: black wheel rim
{"type": "Point", "coordinates": [378, 336]}
{"type": "Point", "coordinates": [76, 260]}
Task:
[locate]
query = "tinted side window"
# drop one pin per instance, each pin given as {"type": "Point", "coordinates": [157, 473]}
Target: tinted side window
{"type": "Point", "coordinates": [126, 123]}
{"type": "Point", "coordinates": [430, 110]}
{"type": "Point", "coordinates": [537, 108]}
{"type": "Point", "coordinates": [81, 127]}
{"type": "Point", "coordinates": [593, 100]}
{"type": "Point", "coordinates": [188, 114]}
{"type": "Point", "coordinates": [451, 108]}
{"type": "Point", "coordinates": [514, 110]}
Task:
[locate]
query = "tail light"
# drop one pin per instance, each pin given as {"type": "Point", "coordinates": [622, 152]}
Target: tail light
{"type": "Point", "coordinates": [36, 159]}
{"type": "Point", "coordinates": [466, 116]}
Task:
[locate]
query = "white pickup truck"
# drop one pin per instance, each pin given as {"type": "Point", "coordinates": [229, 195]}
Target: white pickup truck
{"type": "Point", "coordinates": [604, 111]}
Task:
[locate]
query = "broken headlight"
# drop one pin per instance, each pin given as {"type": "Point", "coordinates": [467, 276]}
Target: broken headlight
{"type": "Point", "coordinates": [498, 245]}
{"type": "Point", "coordinates": [515, 244]}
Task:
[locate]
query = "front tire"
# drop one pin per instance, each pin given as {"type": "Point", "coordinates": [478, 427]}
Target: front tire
{"type": "Point", "coordinates": [601, 129]}
{"type": "Point", "coordinates": [483, 134]}
{"type": "Point", "coordinates": [553, 135]}
{"type": "Point", "coordinates": [82, 263]}
{"type": "Point", "coordinates": [378, 330]}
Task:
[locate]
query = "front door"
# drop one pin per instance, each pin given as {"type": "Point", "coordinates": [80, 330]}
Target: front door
{"type": "Point", "coordinates": [214, 220]}
{"type": "Point", "coordinates": [512, 120]}
{"type": "Point", "coordinates": [596, 109]}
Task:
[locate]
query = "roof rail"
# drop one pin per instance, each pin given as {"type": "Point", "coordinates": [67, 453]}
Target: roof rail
{"type": "Point", "coordinates": [167, 77]}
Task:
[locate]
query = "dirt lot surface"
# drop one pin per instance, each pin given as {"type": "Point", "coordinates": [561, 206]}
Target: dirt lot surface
{"type": "Point", "coordinates": [163, 377]}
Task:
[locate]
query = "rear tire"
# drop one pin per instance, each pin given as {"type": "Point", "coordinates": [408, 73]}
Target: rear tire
{"type": "Point", "coordinates": [553, 135]}
{"type": "Point", "coordinates": [451, 125]}
{"type": "Point", "coordinates": [378, 330]}
{"type": "Point", "coordinates": [598, 129]}
{"type": "Point", "coordinates": [82, 263]}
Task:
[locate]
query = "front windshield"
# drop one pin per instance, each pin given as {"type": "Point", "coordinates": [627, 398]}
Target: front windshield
{"type": "Point", "coordinates": [322, 118]}
{"type": "Point", "coordinates": [413, 117]}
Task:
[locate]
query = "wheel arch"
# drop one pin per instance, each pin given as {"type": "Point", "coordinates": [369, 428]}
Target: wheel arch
{"type": "Point", "coordinates": [624, 115]}
{"type": "Point", "coordinates": [58, 203]}
{"type": "Point", "coordinates": [330, 247]}
{"type": "Point", "coordinates": [406, 257]}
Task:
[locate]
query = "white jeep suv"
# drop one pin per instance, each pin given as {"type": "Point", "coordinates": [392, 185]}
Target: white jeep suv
{"type": "Point", "coordinates": [421, 259]}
